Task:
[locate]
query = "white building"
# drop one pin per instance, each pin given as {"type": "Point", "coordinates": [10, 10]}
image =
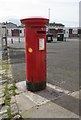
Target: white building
{"type": "Point", "coordinates": [55, 28]}
{"type": "Point", "coordinates": [21, 32]}
{"type": "Point", "coordinates": [14, 31]}
{"type": "Point", "coordinates": [71, 31]}
{"type": "Point", "coordinates": [80, 14]}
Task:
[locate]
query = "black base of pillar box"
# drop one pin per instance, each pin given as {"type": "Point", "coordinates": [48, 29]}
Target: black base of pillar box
{"type": "Point", "coordinates": [34, 87]}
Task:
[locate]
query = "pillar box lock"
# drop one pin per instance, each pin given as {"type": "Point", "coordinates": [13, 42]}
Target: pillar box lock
{"type": "Point", "coordinates": [35, 45]}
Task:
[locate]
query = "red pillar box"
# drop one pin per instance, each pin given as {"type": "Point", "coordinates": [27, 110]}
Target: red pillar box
{"type": "Point", "coordinates": [35, 39]}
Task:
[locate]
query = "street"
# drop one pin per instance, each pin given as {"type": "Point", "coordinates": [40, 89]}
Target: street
{"type": "Point", "coordinates": [62, 92]}
{"type": "Point", "coordinates": [62, 63]}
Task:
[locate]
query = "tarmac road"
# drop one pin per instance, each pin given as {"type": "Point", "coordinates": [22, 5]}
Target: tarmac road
{"type": "Point", "coordinates": [62, 63]}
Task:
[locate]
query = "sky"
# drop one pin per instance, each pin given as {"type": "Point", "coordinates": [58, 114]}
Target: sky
{"type": "Point", "coordinates": [61, 11]}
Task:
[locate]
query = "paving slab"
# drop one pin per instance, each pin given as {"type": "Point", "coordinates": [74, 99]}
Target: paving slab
{"type": "Point", "coordinates": [24, 103]}
{"type": "Point", "coordinates": [45, 103]}
{"type": "Point", "coordinates": [49, 110]}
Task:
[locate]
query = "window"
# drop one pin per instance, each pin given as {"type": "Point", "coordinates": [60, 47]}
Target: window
{"type": "Point", "coordinates": [20, 31]}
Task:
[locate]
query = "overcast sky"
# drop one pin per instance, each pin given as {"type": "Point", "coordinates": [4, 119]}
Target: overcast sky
{"type": "Point", "coordinates": [61, 11]}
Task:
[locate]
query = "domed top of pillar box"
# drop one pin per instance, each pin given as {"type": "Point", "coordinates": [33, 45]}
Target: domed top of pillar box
{"type": "Point", "coordinates": [34, 21]}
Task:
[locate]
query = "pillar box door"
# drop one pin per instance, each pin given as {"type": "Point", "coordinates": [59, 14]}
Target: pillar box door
{"type": "Point", "coordinates": [35, 42]}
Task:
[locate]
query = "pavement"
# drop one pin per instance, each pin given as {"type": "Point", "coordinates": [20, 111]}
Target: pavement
{"type": "Point", "coordinates": [61, 98]}
{"type": "Point", "coordinates": [49, 103]}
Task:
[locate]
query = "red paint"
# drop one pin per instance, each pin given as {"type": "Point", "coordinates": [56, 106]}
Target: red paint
{"type": "Point", "coordinates": [35, 28]}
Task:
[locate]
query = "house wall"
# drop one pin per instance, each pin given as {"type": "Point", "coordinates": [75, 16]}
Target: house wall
{"type": "Point", "coordinates": [72, 32]}
{"type": "Point", "coordinates": [21, 32]}
{"type": "Point", "coordinates": [55, 28]}
{"type": "Point", "coordinates": [15, 32]}
{"type": "Point", "coordinates": [55, 31]}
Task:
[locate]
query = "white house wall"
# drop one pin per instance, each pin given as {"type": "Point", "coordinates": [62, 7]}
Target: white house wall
{"type": "Point", "coordinates": [75, 31]}
{"type": "Point", "coordinates": [22, 34]}
{"type": "Point", "coordinates": [10, 31]}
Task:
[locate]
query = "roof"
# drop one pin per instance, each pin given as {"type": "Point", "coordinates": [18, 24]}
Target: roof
{"type": "Point", "coordinates": [10, 25]}
{"type": "Point", "coordinates": [56, 24]}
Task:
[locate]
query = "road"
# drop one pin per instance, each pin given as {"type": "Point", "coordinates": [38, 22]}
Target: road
{"type": "Point", "coordinates": [62, 63]}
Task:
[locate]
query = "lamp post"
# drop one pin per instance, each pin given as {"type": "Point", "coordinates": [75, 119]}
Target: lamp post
{"type": "Point", "coordinates": [49, 14]}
